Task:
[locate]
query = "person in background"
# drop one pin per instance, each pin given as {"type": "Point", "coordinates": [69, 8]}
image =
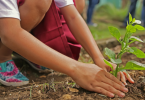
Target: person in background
{"type": "Point", "coordinates": [143, 14]}
{"type": "Point", "coordinates": [91, 6]}
{"type": "Point", "coordinates": [132, 10]}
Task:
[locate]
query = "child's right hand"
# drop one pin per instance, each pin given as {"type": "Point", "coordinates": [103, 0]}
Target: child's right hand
{"type": "Point", "coordinates": [94, 78]}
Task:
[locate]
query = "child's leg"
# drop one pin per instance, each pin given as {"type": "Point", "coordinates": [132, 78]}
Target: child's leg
{"type": "Point", "coordinates": [5, 53]}
{"type": "Point", "coordinates": [32, 12]}
{"type": "Point", "coordinates": [28, 13]}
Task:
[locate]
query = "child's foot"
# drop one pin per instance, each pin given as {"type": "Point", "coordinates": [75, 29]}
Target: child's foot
{"type": "Point", "coordinates": [10, 74]}
{"type": "Point", "coordinates": [39, 68]}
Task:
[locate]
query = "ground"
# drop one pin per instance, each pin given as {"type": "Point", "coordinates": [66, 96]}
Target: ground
{"type": "Point", "coordinates": [58, 86]}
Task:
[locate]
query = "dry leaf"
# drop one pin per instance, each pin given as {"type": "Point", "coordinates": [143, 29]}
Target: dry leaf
{"type": "Point", "coordinates": [43, 76]}
{"type": "Point", "coordinates": [73, 90]}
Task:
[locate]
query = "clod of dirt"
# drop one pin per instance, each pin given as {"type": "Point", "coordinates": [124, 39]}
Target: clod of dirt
{"type": "Point", "coordinates": [2, 88]}
{"type": "Point", "coordinates": [141, 73]}
{"type": "Point", "coordinates": [141, 79]}
{"type": "Point", "coordinates": [39, 92]}
{"type": "Point", "coordinates": [135, 90]}
{"type": "Point", "coordinates": [66, 97]}
{"type": "Point", "coordinates": [73, 90]}
{"type": "Point", "coordinates": [3, 93]}
{"type": "Point", "coordinates": [128, 98]}
{"type": "Point", "coordinates": [132, 73]}
{"type": "Point", "coordinates": [89, 98]}
{"type": "Point", "coordinates": [43, 76]}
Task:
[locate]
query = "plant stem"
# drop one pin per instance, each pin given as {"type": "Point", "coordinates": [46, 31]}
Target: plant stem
{"type": "Point", "coordinates": [116, 71]}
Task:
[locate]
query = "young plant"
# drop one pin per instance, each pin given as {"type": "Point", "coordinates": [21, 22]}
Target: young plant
{"type": "Point", "coordinates": [132, 27]}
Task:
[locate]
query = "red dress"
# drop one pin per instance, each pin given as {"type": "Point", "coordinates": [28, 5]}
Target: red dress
{"type": "Point", "coordinates": [54, 32]}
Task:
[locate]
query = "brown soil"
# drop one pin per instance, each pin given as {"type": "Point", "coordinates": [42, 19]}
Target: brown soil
{"type": "Point", "coordinates": [58, 86]}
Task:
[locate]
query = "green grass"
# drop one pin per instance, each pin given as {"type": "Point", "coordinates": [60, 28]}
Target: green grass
{"type": "Point", "coordinates": [102, 32]}
{"type": "Point", "coordinates": [108, 15]}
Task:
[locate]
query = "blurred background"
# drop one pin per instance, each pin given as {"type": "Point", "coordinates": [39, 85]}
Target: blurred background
{"type": "Point", "coordinates": [110, 13]}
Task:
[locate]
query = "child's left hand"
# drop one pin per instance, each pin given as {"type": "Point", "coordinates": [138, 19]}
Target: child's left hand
{"type": "Point", "coordinates": [122, 76]}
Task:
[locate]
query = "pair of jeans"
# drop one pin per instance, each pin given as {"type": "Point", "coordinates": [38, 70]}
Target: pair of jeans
{"type": "Point", "coordinates": [143, 13]}
{"type": "Point", "coordinates": [91, 6]}
{"type": "Point", "coordinates": [132, 10]}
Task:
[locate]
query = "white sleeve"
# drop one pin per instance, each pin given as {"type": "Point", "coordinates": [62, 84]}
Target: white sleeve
{"type": "Point", "coordinates": [63, 3]}
{"type": "Point", "coordinates": [9, 8]}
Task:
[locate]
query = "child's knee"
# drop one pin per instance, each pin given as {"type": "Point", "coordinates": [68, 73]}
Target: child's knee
{"type": "Point", "coordinates": [43, 5]}
{"type": "Point", "coordinates": [37, 6]}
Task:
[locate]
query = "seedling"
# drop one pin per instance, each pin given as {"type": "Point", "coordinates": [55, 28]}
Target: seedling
{"type": "Point", "coordinates": [30, 93]}
{"type": "Point", "coordinates": [132, 27]}
{"type": "Point", "coordinates": [73, 84]}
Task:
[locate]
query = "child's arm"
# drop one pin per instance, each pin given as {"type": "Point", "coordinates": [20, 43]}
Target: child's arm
{"type": "Point", "coordinates": [83, 35]}
{"type": "Point", "coordinates": [80, 4]}
{"type": "Point", "coordinates": [88, 76]}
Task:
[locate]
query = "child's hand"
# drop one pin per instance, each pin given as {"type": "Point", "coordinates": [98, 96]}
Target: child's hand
{"type": "Point", "coordinates": [123, 76]}
{"type": "Point", "coordinates": [94, 78]}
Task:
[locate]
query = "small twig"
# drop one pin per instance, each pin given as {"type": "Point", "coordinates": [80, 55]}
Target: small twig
{"type": "Point", "coordinates": [30, 92]}
{"type": "Point", "coordinates": [25, 88]}
{"type": "Point", "coordinates": [22, 68]}
{"type": "Point", "coordinates": [33, 82]}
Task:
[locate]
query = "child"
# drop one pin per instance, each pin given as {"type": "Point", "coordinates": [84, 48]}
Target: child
{"type": "Point", "coordinates": [80, 4]}
{"type": "Point", "coordinates": [15, 36]}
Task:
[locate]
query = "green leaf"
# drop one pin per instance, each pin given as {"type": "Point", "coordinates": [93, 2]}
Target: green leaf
{"type": "Point", "coordinates": [133, 38]}
{"type": "Point", "coordinates": [131, 29]}
{"type": "Point", "coordinates": [133, 65]}
{"type": "Point", "coordinates": [139, 27]}
{"type": "Point", "coordinates": [137, 52]}
{"type": "Point", "coordinates": [116, 61]}
{"type": "Point", "coordinates": [114, 32]}
{"type": "Point", "coordinates": [108, 63]}
{"type": "Point", "coordinates": [109, 53]}
{"type": "Point", "coordinates": [127, 23]}
{"type": "Point", "coordinates": [130, 18]}
{"type": "Point", "coordinates": [133, 20]}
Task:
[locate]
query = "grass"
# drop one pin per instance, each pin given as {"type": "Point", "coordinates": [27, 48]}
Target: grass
{"type": "Point", "coordinates": [108, 15]}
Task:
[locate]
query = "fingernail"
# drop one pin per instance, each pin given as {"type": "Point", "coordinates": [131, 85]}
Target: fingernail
{"type": "Point", "coordinates": [122, 95]}
{"type": "Point", "coordinates": [132, 80]}
{"type": "Point", "coordinates": [111, 95]}
{"type": "Point", "coordinates": [125, 90]}
{"type": "Point", "coordinates": [125, 83]}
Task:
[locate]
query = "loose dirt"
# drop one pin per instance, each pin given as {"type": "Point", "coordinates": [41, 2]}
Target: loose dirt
{"type": "Point", "coordinates": [58, 86]}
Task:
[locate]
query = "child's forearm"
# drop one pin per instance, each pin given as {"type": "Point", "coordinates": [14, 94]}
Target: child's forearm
{"type": "Point", "coordinates": [22, 42]}
{"type": "Point", "coordinates": [81, 31]}
{"type": "Point", "coordinates": [88, 76]}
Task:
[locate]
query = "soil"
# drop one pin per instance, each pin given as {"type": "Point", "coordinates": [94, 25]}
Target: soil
{"type": "Point", "coordinates": [58, 86]}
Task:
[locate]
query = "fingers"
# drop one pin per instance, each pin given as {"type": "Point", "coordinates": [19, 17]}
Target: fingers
{"type": "Point", "coordinates": [118, 76]}
{"type": "Point", "coordinates": [114, 66]}
{"type": "Point", "coordinates": [107, 90]}
{"type": "Point", "coordinates": [123, 78]}
{"type": "Point", "coordinates": [103, 91]}
{"type": "Point", "coordinates": [113, 78]}
{"type": "Point", "coordinates": [128, 77]}
{"type": "Point", "coordinates": [115, 85]}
